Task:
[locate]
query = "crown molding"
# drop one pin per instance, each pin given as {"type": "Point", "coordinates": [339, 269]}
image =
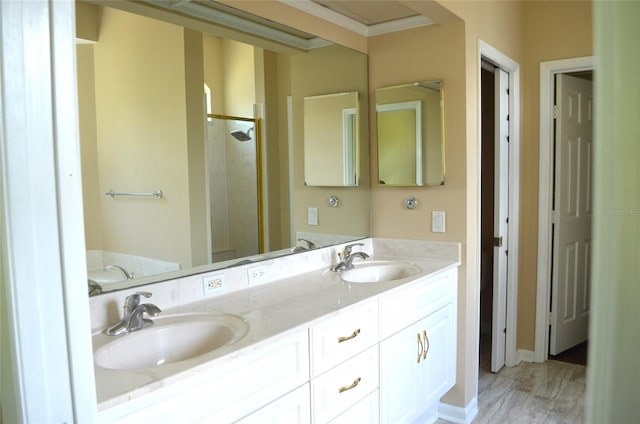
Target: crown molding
{"type": "Point", "coordinates": [322, 12]}
{"type": "Point", "coordinates": [399, 25]}
{"type": "Point", "coordinates": [328, 15]}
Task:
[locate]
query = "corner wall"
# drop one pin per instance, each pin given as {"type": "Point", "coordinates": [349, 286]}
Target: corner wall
{"type": "Point", "coordinates": [553, 30]}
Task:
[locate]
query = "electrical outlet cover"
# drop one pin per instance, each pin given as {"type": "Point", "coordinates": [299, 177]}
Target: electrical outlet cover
{"type": "Point", "coordinates": [213, 283]}
{"type": "Point", "coordinates": [257, 274]}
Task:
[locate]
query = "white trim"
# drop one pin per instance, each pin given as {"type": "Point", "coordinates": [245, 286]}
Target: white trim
{"type": "Point", "coordinates": [513, 68]}
{"type": "Point", "coordinates": [327, 14]}
{"type": "Point", "coordinates": [399, 25]}
{"type": "Point", "coordinates": [548, 70]}
{"type": "Point", "coordinates": [456, 414]}
{"type": "Point", "coordinates": [349, 137]}
{"type": "Point", "coordinates": [49, 349]}
{"type": "Point", "coordinates": [526, 355]}
{"type": "Point", "coordinates": [290, 142]}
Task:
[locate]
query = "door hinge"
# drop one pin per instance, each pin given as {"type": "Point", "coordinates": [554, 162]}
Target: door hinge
{"type": "Point", "coordinates": [552, 318]}
{"type": "Point", "coordinates": [497, 241]}
{"type": "Point", "coordinates": [554, 216]}
{"type": "Point", "coordinates": [555, 111]}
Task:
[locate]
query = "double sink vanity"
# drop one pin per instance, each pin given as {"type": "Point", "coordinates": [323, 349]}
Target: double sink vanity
{"type": "Point", "coordinates": [374, 343]}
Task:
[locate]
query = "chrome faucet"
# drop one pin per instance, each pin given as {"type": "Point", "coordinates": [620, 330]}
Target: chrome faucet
{"type": "Point", "coordinates": [94, 287]}
{"type": "Point", "coordinates": [127, 275]}
{"type": "Point", "coordinates": [132, 316]}
{"type": "Point", "coordinates": [310, 246]}
{"type": "Point", "coordinates": [347, 257]}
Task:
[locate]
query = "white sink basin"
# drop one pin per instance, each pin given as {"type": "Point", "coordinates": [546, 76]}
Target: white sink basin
{"type": "Point", "coordinates": [171, 339]}
{"type": "Point", "coordinates": [380, 271]}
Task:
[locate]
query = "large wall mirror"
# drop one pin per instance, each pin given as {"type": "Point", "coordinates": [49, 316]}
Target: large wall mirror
{"type": "Point", "coordinates": [410, 134]}
{"type": "Point", "coordinates": [192, 139]}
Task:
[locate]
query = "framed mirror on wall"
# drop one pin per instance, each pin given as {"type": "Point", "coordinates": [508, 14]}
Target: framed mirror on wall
{"type": "Point", "coordinates": [144, 126]}
{"type": "Point", "coordinates": [331, 139]}
{"type": "Point", "coordinates": [410, 125]}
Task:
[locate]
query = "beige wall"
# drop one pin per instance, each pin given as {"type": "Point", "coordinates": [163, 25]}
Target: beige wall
{"type": "Point", "coordinates": [553, 30]}
{"type": "Point", "coordinates": [394, 59]}
{"type": "Point", "coordinates": [142, 136]}
{"type": "Point", "coordinates": [89, 147]}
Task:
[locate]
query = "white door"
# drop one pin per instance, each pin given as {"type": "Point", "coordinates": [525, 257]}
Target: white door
{"type": "Point", "coordinates": [501, 220]}
{"type": "Point", "coordinates": [572, 214]}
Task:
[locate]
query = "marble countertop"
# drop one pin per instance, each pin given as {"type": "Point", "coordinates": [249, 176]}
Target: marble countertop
{"type": "Point", "coordinates": [272, 311]}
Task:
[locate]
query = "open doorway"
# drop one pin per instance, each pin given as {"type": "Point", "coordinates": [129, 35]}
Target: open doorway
{"type": "Point", "coordinates": [564, 225]}
{"type": "Point", "coordinates": [494, 213]}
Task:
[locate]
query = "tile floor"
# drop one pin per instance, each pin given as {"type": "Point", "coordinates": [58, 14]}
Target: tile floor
{"type": "Point", "coordinates": [552, 392]}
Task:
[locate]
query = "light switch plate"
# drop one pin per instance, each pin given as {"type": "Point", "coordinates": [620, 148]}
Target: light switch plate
{"type": "Point", "coordinates": [437, 221]}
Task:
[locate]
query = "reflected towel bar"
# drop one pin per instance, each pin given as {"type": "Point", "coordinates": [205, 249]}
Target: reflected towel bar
{"type": "Point", "coordinates": [157, 194]}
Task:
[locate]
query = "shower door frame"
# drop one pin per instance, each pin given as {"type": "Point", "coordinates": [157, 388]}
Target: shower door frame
{"type": "Point", "coordinates": [257, 123]}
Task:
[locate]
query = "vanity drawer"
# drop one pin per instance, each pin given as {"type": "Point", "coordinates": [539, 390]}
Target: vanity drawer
{"type": "Point", "coordinates": [345, 385]}
{"type": "Point", "coordinates": [365, 411]}
{"type": "Point", "coordinates": [406, 305]}
{"type": "Point", "coordinates": [342, 336]}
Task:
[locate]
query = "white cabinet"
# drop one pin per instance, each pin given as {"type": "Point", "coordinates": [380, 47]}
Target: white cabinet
{"type": "Point", "coordinates": [227, 392]}
{"type": "Point", "coordinates": [344, 360]}
{"type": "Point", "coordinates": [417, 364]}
{"type": "Point", "coordinates": [365, 411]}
{"type": "Point", "coordinates": [344, 335]}
{"type": "Point", "coordinates": [292, 408]}
{"type": "Point", "coordinates": [387, 359]}
{"type": "Point", "coordinates": [345, 385]}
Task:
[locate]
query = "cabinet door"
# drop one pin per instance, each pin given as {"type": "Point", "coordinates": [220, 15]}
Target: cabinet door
{"type": "Point", "coordinates": [399, 376]}
{"type": "Point", "coordinates": [438, 364]}
{"type": "Point", "coordinates": [293, 408]}
{"type": "Point", "coordinates": [417, 367]}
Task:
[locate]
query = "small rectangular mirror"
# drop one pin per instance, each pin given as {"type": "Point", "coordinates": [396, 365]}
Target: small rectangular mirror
{"type": "Point", "coordinates": [410, 134]}
{"type": "Point", "coordinates": [331, 139]}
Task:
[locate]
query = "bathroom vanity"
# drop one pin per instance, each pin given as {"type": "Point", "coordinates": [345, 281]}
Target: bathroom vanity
{"type": "Point", "coordinates": [378, 345]}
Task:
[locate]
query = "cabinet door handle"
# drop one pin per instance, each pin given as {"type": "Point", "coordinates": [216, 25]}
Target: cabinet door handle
{"type": "Point", "coordinates": [427, 344]}
{"type": "Point", "coordinates": [420, 348]}
{"type": "Point", "coordinates": [352, 336]}
{"type": "Point", "coordinates": [351, 386]}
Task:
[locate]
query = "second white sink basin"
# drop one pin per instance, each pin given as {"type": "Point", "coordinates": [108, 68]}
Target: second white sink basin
{"type": "Point", "coordinates": [171, 339]}
{"type": "Point", "coordinates": [379, 271]}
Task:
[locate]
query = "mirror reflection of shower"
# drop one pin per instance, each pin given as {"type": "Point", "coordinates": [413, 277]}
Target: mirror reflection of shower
{"type": "Point", "coordinates": [242, 135]}
{"type": "Point", "coordinates": [233, 186]}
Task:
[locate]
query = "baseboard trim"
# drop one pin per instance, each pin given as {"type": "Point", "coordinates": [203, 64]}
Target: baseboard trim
{"type": "Point", "coordinates": [458, 415]}
{"type": "Point", "coordinates": [526, 355]}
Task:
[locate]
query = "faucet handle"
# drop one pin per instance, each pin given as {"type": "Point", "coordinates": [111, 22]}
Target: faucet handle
{"type": "Point", "coordinates": [133, 300]}
{"type": "Point", "coordinates": [346, 251]}
{"type": "Point", "coordinates": [310, 245]}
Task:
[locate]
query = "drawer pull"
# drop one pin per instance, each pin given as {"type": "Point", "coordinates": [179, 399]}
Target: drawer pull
{"type": "Point", "coordinates": [427, 343]}
{"type": "Point", "coordinates": [352, 336]}
{"type": "Point", "coordinates": [420, 348]}
{"type": "Point", "coordinates": [353, 385]}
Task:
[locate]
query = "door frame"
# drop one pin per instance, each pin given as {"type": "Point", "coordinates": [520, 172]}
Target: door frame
{"type": "Point", "coordinates": [493, 55]}
{"type": "Point", "coordinates": [548, 71]}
